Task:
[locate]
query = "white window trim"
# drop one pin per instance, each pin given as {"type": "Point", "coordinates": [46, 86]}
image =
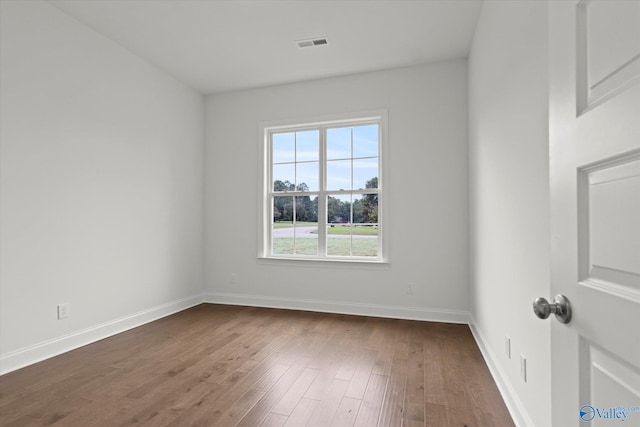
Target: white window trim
{"type": "Point", "coordinates": [264, 214]}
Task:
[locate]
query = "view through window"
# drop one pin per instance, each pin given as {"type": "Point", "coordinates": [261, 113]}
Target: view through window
{"type": "Point", "coordinates": [324, 191]}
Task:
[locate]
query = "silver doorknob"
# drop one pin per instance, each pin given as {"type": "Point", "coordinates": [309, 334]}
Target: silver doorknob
{"type": "Point", "coordinates": [560, 307]}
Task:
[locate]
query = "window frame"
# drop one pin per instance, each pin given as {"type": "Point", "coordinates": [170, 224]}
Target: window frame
{"type": "Point", "coordinates": [265, 207]}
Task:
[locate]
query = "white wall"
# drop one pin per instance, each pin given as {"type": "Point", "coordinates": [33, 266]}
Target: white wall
{"type": "Point", "coordinates": [102, 192]}
{"type": "Point", "coordinates": [101, 184]}
{"type": "Point", "coordinates": [508, 144]}
{"type": "Point", "coordinates": [427, 193]}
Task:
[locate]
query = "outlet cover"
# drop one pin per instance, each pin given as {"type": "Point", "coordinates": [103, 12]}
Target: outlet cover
{"type": "Point", "coordinates": [507, 346]}
{"type": "Point", "coordinates": [64, 310]}
{"type": "Point", "coordinates": [523, 368]}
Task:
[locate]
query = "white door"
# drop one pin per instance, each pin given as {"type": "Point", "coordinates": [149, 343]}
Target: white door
{"type": "Point", "coordinates": [594, 136]}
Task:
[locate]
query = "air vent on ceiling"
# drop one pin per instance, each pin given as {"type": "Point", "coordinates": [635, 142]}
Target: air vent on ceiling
{"type": "Point", "coordinates": [320, 41]}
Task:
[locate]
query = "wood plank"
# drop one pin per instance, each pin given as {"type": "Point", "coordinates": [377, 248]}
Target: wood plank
{"type": "Point", "coordinates": [302, 413]}
{"type": "Point", "coordinates": [271, 377]}
{"type": "Point", "coordinates": [290, 400]}
{"type": "Point", "coordinates": [414, 393]}
{"type": "Point", "coordinates": [346, 413]}
{"type": "Point", "coordinates": [23, 421]}
{"type": "Point", "coordinates": [180, 408]}
{"type": "Point", "coordinates": [42, 405]}
{"type": "Point", "coordinates": [387, 346]}
{"type": "Point", "coordinates": [238, 409]}
{"type": "Point", "coordinates": [433, 379]}
{"type": "Point", "coordinates": [327, 408]}
{"type": "Point", "coordinates": [322, 382]}
{"type": "Point", "coordinates": [274, 420]}
{"type": "Point", "coordinates": [364, 360]}
{"type": "Point", "coordinates": [167, 408]}
{"type": "Point", "coordinates": [435, 415]}
{"type": "Point", "coordinates": [394, 396]}
{"type": "Point", "coordinates": [393, 403]}
{"type": "Point", "coordinates": [257, 414]}
{"type": "Point", "coordinates": [107, 412]}
{"type": "Point", "coordinates": [371, 406]}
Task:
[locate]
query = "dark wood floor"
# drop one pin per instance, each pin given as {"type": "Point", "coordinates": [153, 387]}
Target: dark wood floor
{"type": "Point", "coordinates": [217, 365]}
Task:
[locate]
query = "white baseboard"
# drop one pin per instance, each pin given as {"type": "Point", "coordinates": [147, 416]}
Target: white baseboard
{"type": "Point", "coordinates": [514, 404]}
{"type": "Point", "coordinates": [374, 310]}
{"type": "Point", "coordinates": [35, 353]}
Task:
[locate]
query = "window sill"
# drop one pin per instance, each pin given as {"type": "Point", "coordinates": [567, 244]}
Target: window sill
{"type": "Point", "coordinates": [325, 263]}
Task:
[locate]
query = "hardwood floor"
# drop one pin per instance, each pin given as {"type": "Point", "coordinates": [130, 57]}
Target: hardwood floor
{"type": "Point", "coordinates": [217, 365]}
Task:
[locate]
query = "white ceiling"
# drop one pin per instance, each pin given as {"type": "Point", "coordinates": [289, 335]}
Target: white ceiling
{"type": "Point", "coordinates": [223, 45]}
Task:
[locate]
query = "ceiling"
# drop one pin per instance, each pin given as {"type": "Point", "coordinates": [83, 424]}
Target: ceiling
{"type": "Point", "coordinates": [223, 45]}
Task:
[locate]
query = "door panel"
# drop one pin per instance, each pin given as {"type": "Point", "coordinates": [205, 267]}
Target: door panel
{"type": "Point", "coordinates": [608, 381]}
{"type": "Point", "coordinates": [609, 210]}
{"type": "Point", "coordinates": [594, 137]}
{"type": "Point", "coordinates": [602, 71]}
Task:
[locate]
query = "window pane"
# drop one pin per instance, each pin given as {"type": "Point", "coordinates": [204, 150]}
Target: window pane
{"type": "Point", "coordinates": [307, 145]}
{"type": "Point", "coordinates": [365, 174]}
{"type": "Point", "coordinates": [284, 145]}
{"type": "Point", "coordinates": [307, 209]}
{"type": "Point", "coordinates": [282, 231]}
{"type": "Point", "coordinates": [284, 177]}
{"type": "Point", "coordinates": [338, 143]}
{"type": "Point", "coordinates": [339, 225]}
{"type": "Point", "coordinates": [339, 209]}
{"type": "Point", "coordinates": [365, 141]}
{"type": "Point", "coordinates": [365, 208]}
{"type": "Point", "coordinates": [306, 226]}
{"type": "Point", "coordinates": [339, 175]}
{"type": "Point", "coordinates": [365, 225]}
{"type": "Point", "coordinates": [307, 176]}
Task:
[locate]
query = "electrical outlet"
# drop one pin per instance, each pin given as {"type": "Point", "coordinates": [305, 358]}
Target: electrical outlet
{"type": "Point", "coordinates": [411, 288]}
{"type": "Point", "coordinates": [64, 310]}
{"type": "Point", "coordinates": [507, 346]}
{"type": "Point", "coordinates": [523, 368]}
{"type": "Point", "coordinates": [233, 278]}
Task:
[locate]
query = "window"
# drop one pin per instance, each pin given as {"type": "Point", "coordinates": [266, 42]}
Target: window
{"type": "Point", "coordinates": [323, 191]}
